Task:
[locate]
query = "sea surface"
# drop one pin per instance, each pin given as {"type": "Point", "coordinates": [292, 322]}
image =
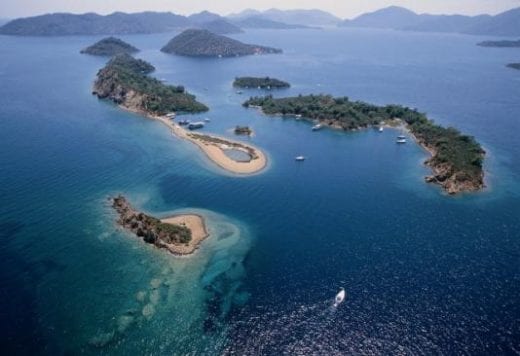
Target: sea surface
{"type": "Point", "coordinates": [424, 273]}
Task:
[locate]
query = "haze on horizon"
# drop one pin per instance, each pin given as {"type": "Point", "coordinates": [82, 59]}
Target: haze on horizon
{"type": "Point", "coordinates": [343, 9]}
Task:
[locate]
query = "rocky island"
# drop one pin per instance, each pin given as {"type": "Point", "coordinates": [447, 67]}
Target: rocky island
{"type": "Point", "coordinates": [109, 46]}
{"type": "Point", "coordinates": [125, 81]}
{"type": "Point", "coordinates": [203, 43]}
{"type": "Point", "coordinates": [243, 130]}
{"type": "Point", "coordinates": [260, 83]}
{"type": "Point", "coordinates": [456, 159]}
{"type": "Point", "coordinates": [180, 235]}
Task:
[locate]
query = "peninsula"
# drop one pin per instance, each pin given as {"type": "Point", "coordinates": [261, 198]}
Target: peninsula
{"type": "Point", "coordinates": [125, 81]}
{"type": "Point", "coordinates": [109, 46]}
{"type": "Point", "coordinates": [259, 82]}
{"type": "Point", "coordinates": [203, 43]}
{"type": "Point", "coordinates": [456, 159]}
{"type": "Point", "coordinates": [180, 234]}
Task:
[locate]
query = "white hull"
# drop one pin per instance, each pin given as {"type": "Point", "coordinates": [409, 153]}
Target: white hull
{"type": "Point", "coordinates": [340, 297]}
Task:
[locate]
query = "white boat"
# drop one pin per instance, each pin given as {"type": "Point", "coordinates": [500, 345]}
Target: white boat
{"type": "Point", "coordinates": [195, 125]}
{"type": "Point", "coordinates": [401, 139]}
{"type": "Point", "coordinates": [317, 127]}
{"type": "Point", "coordinates": [380, 129]}
{"type": "Point", "coordinates": [207, 120]}
{"type": "Point", "coordinates": [340, 297]}
{"type": "Point", "coordinates": [299, 158]}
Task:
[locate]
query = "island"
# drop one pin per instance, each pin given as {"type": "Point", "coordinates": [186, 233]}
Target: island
{"type": "Point", "coordinates": [180, 234]}
{"type": "Point", "coordinates": [203, 43]}
{"type": "Point", "coordinates": [243, 130]}
{"type": "Point", "coordinates": [456, 159]}
{"type": "Point", "coordinates": [259, 82]}
{"type": "Point", "coordinates": [503, 43]}
{"type": "Point", "coordinates": [125, 81]}
{"type": "Point", "coordinates": [109, 46]}
{"type": "Point", "coordinates": [514, 65]}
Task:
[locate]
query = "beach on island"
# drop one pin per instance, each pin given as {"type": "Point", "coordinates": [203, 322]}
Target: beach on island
{"type": "Point", "coordinates": [198, 229]}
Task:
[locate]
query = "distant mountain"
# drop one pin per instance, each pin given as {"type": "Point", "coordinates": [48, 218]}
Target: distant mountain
{"type": "Point", "coordinates": [398, 18]}
{"type": "Point", "coordinates": [4, 21]}
{"type": "Point", "coordinates": [260, 22]}
{"type": "Point", "coordinates": [499, 44]}
{"type": "Point", "coordinates": [204, 16]}
{"type": "Point", "coordinates": [94, 24]}
{"type": "Point", "coordinates": [109, 46]}
{"type": "Point", "coordinates": [202, 43]}
{"type": "Point", "coordinates": [220, 26]}
{"type": "Point", "coordinates": [514, 65]}
{"type": "Point", "coordinates": [292, 17]}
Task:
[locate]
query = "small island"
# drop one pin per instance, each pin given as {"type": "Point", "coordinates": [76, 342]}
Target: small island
{"type": "Point", "coordinates": [514, 65]}
{"type": "Point", "coordinates": [203, 43]}
{"type": "Point", "coordinates": [109, 46]}
{"type": "Point", "coordinates": [125, 81]}
{"type": "Point", "coordinates": [456, 158]}
{"type": "Point", "coordinates": [243, 130]}
{"type": "Point", "coordinates": [504, 43]}
{"type": "Point", "coordinates": [180, 234]}
{"type": "Point", "coordinates": [260, 83]}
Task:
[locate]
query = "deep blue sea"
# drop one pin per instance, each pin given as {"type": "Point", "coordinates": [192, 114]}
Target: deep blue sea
{"type": "Point", "coordinates": [424, 273]}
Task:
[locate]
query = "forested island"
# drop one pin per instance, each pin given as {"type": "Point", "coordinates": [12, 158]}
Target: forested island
{"type": "Point", "coordinates": [504, 43]}
{"type": "Point", "coordinates": [109, 46]}
{"type": "Point", "coordinates": [259, 82]}
{"type": "Point", "coordinates": [125, 81]}
{"type": "Point", "coordinates": [203, 43]}
{"type": "Point", "coordinates": [243, 130]}
{"type": "Point", "coordinates": [180, 235]}
{"type": "Point", "coordinates": [456, 158]}
{"type": "Point", "coordinates": [514, 65]}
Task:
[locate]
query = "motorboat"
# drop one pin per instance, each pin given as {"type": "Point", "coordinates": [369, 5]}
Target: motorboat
{"type": "Point", "coordinates": [401, 139]}
{"type": "Point", "coordinates": [317, 127]}
{"type": "Point", "coordinates": [207, 120]}
{"type": "Point", "coordinates": [380, 129]}
{"type": "Point", "coordinates": [340, 297]}
{"type": "Point", "coordinates": [299, 158]}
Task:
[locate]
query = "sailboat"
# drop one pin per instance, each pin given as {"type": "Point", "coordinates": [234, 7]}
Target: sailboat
{"type": "Point", "coordinates": [340, 297]}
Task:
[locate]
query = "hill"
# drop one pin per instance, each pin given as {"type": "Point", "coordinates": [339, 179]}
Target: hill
{"type": "Point", "coordinates": [125, 81]}
{"type": "Point", "coordinates": [220, 27]}
{"type": "Point", "coordinates": [398, 18]}
{"type": "Point", "coordinates": [109, 46]}
{"type": "Point", "coordinates": [260, 22]}
{"type": "Point", "coordinates": [291, 17]}
{"type": "Point", "coordinates": [203, 43]}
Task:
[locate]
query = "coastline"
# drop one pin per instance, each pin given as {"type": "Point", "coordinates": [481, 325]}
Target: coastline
{"type": "Point", "coordinates": [213, 150]}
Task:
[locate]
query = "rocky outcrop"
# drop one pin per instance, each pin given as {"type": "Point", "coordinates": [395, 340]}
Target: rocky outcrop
{"type": "Point", "coordinates": [451, 181]}
{"type": "Point", "coordinates": [150, 229]}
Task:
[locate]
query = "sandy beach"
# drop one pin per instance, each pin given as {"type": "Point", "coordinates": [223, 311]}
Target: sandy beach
{"type": "Point", "coordinates": [198, 232]}
{"type": "Point", "coordinates": [215, 150]}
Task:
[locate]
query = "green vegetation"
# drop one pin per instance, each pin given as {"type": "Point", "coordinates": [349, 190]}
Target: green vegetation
{"type": "Point", "coordinates": [109, 46]}
{"type": "Point", "coordinates": [174, 233]}
{"type": "Point", "coordinates": [514, 65]}
{"type": "Point", "coordinates": [459, 155]}
{"type": "Point", "coordinates": [125, 78]}
{"type": "Point", "coordinates": [263, 83]}
{"type": "Point", "coordinates": [203, 43]}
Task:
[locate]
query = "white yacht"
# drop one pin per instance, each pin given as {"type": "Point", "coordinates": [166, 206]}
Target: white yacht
{"type": "Point", "coordinates": [380, 129]}
{"type": "Point", "coordinates": [317, 127]}
{"type": "Point", "coordinates": [401, 139]}
{"type": "Point", "coordinates": [340, 297]}
{"type": "Point", "coordinates": [299, 158]}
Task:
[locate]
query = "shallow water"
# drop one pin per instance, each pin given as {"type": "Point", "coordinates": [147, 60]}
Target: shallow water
{"type": "Point", "coordinates": [424, 273]}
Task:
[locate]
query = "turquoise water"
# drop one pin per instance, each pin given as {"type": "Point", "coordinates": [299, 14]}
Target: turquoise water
{"type": "Point", "coordinates": [424, 273]}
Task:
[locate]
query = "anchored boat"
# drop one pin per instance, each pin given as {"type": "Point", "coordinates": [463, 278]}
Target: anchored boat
{"type": "Point", "coordinates": [340, 297]}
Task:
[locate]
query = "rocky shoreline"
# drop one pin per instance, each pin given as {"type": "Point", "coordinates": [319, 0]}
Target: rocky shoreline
{"type": "Point", "coordinates": [178, 239]}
